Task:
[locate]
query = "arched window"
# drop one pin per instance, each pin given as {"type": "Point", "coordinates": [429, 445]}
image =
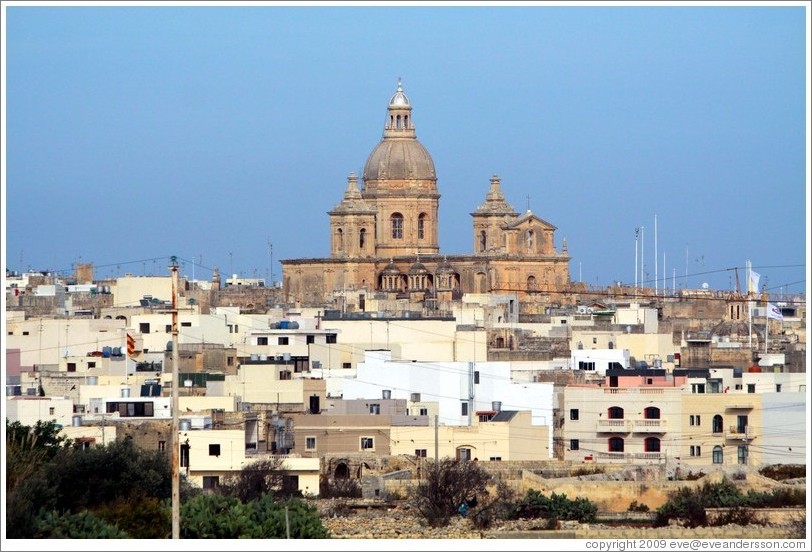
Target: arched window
{"type": "Point", "coordinates": [362, 236]}
{"type": "Point", "coordinates": [483, 241]}
{"type": "Point", "coordinates": [530, 237]}
{"type": "Point", "coordinates": [421, 226]}
{"type": "Point", "coordinates": [611, 345]}
{"type": "Point", "coordinates": [397, 226]}
{"type": "Point", "coordinates": [616, 444]}
{"type": "Point", "coordinates": [718, 455]}
{"type": "Point", "coordinates": [340, 239]}
{"type": "Point", "coordinates": [718, 424]}
{"type": "Point", "coordinates": [651, 413]}
{"type": "Point", "coordinates": [481, 283]}
{"type": "Point", "coordinates": [398, 119]}
{"type": "Point", "coordinates": [615, 413]}
{"type": "Point", "coordinates": [651, 444]}
{"type": "Point", "coordinates": [500, 342]}
{"type": "Point", "coordinates": [406, 121]}
{"type": "Point", "coordinates": [531, 283]}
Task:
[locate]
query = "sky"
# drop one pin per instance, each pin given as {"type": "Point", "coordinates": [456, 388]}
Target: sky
{"type": "Point", "coordinates": [223, 135]}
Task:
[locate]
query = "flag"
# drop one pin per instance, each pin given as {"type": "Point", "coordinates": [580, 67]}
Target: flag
{"type": "Point", "coordinates": [774, 312]}
{"type": "Point", "coordinates": [752, 285]}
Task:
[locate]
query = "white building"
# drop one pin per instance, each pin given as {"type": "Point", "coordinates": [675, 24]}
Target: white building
{"type": "Point", "coordinates": [461, 389]}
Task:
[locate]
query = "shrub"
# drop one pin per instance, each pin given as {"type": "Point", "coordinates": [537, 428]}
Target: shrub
{"type": "Point", "coordinates": [637, 507]}
{"type": "Point", "coordinates": [738, 516]}
{"type": "Point", "coordinates": [140, 518]}
{"type": "Point", "coordinates": [446, 487]}
{"type": "Point", "coordinates": [339, 488]}
{"type": "Point", "coordinates": [780, 472]}
{"type": "Point", "coordinates": [491, 509]}
{"type": "Point", "coordinates": [536, 505]}
{"type": "Point", "coordinates": [84, 525]}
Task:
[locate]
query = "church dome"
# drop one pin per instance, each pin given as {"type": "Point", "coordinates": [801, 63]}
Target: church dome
{"type": "Point", "coordinates": [399, 155]}
{"type": "Point", "coordinates": [391, 269]}
{"type": "Point", "coordinates": [418, 268]}
{"type": "Point", "coordinates": [399, 160]}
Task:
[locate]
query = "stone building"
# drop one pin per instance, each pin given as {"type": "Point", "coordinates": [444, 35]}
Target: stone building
{"type": "Point", "coordinates": [384, 235]}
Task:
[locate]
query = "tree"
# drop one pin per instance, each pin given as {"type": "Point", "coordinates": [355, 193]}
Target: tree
{"type": "Point", "coordinates": [83, 525]}
{"type": "Point", "coordinates": [447, 486]}
{"type": "Point", "coordinates": [259, 478]}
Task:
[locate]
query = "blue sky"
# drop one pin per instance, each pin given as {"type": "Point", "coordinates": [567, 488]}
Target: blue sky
{"type": "Point", "coordinates": [136, 133]}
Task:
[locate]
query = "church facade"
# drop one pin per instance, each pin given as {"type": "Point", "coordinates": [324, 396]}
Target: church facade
{"type": "Point", "coordinates": [384, 239]}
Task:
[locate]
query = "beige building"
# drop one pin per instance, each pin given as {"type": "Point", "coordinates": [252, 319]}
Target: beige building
{"type": "Point", "coordinates": [30, 410]}
{"type": "Point", "coordinates": [384, 235]}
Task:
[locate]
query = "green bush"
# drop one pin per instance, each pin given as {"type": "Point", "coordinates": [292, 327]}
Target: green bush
{"type": "Point", "coordinates": [446, 487]}
{"type": "Point", "coordinates": [140, 517]}
{"type": "Point", "coordinates": [225, 517]}
{"type": "Point", "coordinates": [637, 507]}
{"type": "Point", "coordinates": [75, 526]}
{"type": "Point", "coordinates": [536, 505]}
{"type": "Point", "coordinates": [780, 472]}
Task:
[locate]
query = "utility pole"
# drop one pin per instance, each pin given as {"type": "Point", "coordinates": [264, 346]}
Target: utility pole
{"type": "Point", "coordinates": [173, 266]}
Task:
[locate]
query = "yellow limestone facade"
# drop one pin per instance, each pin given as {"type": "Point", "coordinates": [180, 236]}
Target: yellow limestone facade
{"type": "Point", "coordinates": [384, 239]}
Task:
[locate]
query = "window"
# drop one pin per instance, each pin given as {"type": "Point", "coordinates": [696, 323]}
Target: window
{"type": "Point", "coordinates": [616, 444]}
{"type": "Point", "coordinates": [375, 409]}
{"type": "Point", "coordinates": [310, 339]}
{"type": "Point", "coordinates": [697, 388]}
{"type": "Point", "coordinates": [531, 283]}
{"type": "Point", "coordinates": [161, 446]}
{"type": "Point", "coordinates": [424, 411]}
{"type": "Point", "coordinates": [283, 340]}
{"type": "Point", "coordinates": [463, 454]}
{"type": "Point", "coordinates": [483, 241]}
{"type": "Point", "coordinates": [651, 444]}
{"type": "Point", "coordinates": [615, 413]}
{"type": "Point", "coordinates": [574, 444]}
{"type": "Point", "coordinates": [420, 453]}
{"type": "Point", "coordinates": [777, 387]}
{"type": "Point", "coordinates": [143, 327]}
{"type": "Point", "coordinates": [71, 366]}
{"type": "Point", "coordinates": [651, 413]}
{"type": "Point", "coordinates": [397, 226]}
{"type": "Point", "coordinates": [573, 413]}
{"type": "Point", "coordinates": [476, 376]}
{"type": "Point", "coordinates": [330, 338]}
{"type": "Point", "coordinates": [362, 238]}
{"type": "Point", "coordinates": [214, 450]}
{"type": "Point", "coordinates": [695, 420]}
{"type": "Point", "coordinates": [717, 455]}
{"type": "Point", "coordinates": [91, 364]}
{"type": "Point", "coordinates": [718, 424]}
{"type": "Point", "coordinates": [284, 375]}
{"type": "Point", "coordinates": [742, 454]}
{"type": "Point", "coordinates": [184, 456]}
{"type": "Point", "coordinates": [589, 366]}
{"type": "Point", "coordinates": [230, 361]}
{"type": "Point", "coordinates": [346, 365]}
{"type": "Point", "coordinates": [464, 409]}
{"type": "Point", "coordinates": [594, 340]}
{"type": "Point", "coordinates": [51, 411]}
{"type": "Point", "coordinates": [262, 341]}
{"type": "Point", "coordinates": [696, 450]}
{"type": "Point", "coordinates": [421, 226]}
{"type": "Point", "coordinates": [186, 324]}
{"type": "Point", "coordinates": [211, 481]}
{"type": "Point", "coordinates": [131, 409]}
{"type": "Point", "coordinates": [169, 328]}
{"type": "Point", "coordinates": [367, 443]}
{"type": "Point", "coordinates": [751, 387]}
{"type": "Point", "coordinates": [310, 443]}
{"type": "Point", "coordinates": [496, 458]}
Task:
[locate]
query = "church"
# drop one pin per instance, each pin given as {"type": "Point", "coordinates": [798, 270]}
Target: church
{"type": "Point", "coordinates": [384, 242]}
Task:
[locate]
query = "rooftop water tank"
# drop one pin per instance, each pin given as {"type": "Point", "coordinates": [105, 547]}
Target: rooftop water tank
{"type": "Point", "coordinates": [93, 380]}
{"type": "Point", "coordinates": [496, 406]}
{"type": "Point", "coordinates": [387, 393]}
{"type": "Point", "coordinates": [125, 392]}
{"type": "Point", "coordinates": [185, 425]}
{"type": "Point", "coordinates": [76, 420]}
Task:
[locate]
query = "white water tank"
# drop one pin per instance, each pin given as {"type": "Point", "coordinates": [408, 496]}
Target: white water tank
{"type": "Point", "coordinates": [387, 393]}
{"type": "Point", "coordinates": [496, 406]}
{"type": "Point", "coordinates": [76, 420]}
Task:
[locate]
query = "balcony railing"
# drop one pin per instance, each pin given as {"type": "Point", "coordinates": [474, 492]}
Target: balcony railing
{"type": "Point", "coordinates": [613, 426]}
{"type": "Point", "coordinates": [630, 456]}
{"type": "Point", "coordinates": [739, 433]}
{"type": "Point", "coordinates": [650, 426]}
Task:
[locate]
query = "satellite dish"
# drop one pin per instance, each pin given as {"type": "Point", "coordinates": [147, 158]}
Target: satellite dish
{"type": "Point", "coordinates": [705, 285]}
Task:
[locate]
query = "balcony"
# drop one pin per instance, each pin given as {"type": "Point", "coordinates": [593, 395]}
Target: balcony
{"type": "Point", "coordinates": [630, 456]}
{"type": "Point", "coordinates": [650, 426]}
{"type": "Point", "coordinates": [739, 406]}
{"type": "Point", "coordinates": [736, 433]}
{"type": "Point", "coordinates": [613, 426]}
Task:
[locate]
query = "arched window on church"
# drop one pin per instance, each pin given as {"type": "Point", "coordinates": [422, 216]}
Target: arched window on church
{"type": "Point", "coordinates": [340, 239]}
{"type": "Point", "coordinates": [397, 226]}
{"type": "Point", "coordinates": [362, 237]}
{"type": "Point", "coordinates": [406, 122]}
{"type": "Point", "coordinates": [421, 226]}
{"type": "Point", "coordinates": [531, 283]}
{"type": "Point", "coordinates": [399, 122]}
{"type": "Point", "coordinates": [483, 241]}
{"type": "Point", "coordinates": [530, 238]}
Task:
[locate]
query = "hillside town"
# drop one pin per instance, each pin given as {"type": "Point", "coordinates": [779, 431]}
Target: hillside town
{"type": "Point", "coordinates": [389, 354]}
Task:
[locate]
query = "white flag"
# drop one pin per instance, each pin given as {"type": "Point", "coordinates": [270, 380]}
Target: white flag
{"type": "Point", "coordinates": [752, 286]}
{"type": "Point", "coordinates": [774, 312]}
